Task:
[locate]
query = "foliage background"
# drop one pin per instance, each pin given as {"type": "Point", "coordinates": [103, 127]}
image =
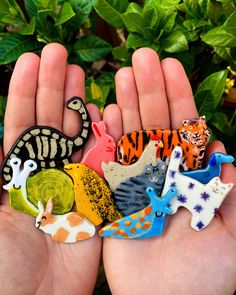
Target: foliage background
{"type": "Point", "coordinates": [101, 35]}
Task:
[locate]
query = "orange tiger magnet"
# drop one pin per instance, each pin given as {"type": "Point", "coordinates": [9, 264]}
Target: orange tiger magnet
{"type": "Point", "coordinates": [192, 136]}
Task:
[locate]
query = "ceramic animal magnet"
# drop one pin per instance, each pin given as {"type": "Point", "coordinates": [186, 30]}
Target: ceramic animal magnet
{"type": "Point", "coordinates": [116, 173]}
{"type": "Point", "coordinates": [146, 223]}
{"type": "Point", "coordinates": [202, 200]}
{"type": "Point", "coordinates": [213, 168]}
{"type": "Point", "coordinates": [192, 136]}
{"type": "Point", "coordinates": [102, 151]}
{"type": "Point", "coordinates": [93, 198]}
{"type": "Point", "coordinates": [67, 228]}
{"type": "Point", "coordinates": [17, 186]}
{"type": "Point", "coordinates": [130, 196]}
{"type": "Point", "coordinates": [47, 146]}
{"type": "Point", "coordinates": [25, 190]}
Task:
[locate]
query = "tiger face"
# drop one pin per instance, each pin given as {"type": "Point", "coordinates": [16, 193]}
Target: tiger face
{"type": "Point", "coordinates": [195, 131]}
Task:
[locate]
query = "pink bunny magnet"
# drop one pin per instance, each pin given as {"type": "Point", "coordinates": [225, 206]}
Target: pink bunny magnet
{"type": "Point", "coordinates": [102, 151]}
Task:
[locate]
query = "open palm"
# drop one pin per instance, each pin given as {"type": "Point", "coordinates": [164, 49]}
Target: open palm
{"type": "Point", "coordinates": [31, 263]}
{"type": "Point", "coordinates": [154, 94]}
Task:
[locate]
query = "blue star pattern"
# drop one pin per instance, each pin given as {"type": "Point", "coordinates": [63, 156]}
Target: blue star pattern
{"type": "Point", "coordinates": [172, 173]}
{"type": "Point", "coordinates": [198, 208]}
{"type": "Point", "coordinates": [200, 225]}
{"type": "Point", "coordinates": [177, 155]}
{"type": "Point", "coordinates": [205, 196]}
{"type": "Point", "coordinates": [191, 185]}
{"type": "Point", "coordinates": [182, 198]}
{"type": "Point", "coordinates": [215, 210]}
{"type": "Point", "coordinates": [202, 200]}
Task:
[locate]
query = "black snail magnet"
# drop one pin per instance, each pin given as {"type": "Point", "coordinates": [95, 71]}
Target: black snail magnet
{"type": "Point", "coordinates": [47, 146]}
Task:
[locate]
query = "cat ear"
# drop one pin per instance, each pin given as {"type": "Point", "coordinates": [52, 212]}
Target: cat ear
{"type": "Point", "coordinates": [185, 122]}
{"type": "Point", "coordinates": [203, 118]}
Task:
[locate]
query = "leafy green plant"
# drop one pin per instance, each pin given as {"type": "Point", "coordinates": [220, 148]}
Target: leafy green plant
{"type": "Point", "coordinates": [200, 33]}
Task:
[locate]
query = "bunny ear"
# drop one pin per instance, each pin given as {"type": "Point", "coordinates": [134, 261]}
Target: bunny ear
{"type": "Point", "coordinates": [40, 206]}
{"type": "Point", "coordinates": [49, 206]}
{"type": "Point", "coordinates": [96, 130]}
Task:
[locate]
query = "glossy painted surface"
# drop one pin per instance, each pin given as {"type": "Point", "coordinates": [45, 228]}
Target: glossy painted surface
{"type": "Point", "coordinates": [146, 223]}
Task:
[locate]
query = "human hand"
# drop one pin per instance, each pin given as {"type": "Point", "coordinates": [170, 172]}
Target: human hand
{"type": "Point", "coordinates": [31, 263]}
{"type": "Point", "coordinates": [154, 94]}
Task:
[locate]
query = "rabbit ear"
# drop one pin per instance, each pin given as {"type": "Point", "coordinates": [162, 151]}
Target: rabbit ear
{"type": "Point", "coordinates": [49, 206]}
{"type": "Point", "coordinates": [40, 206]}
{"type": "Point", "coordinates": [96, 130]}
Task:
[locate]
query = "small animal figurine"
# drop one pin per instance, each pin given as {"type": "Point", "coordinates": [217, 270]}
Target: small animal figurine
{"type": "Point", "coordinates": [25, 191]}
{"type": "Point", "coordinates": [116, 173]}
{"type": "Point", "coordinates": [213, 168]}
{"type": "Point", "coordinates": [148, 222]}
{"type": "Point", "coordinates": [93, 197]}
{"type": "Point", "coordinates": [17, 186]}
{"type": "Point", "coordinates": [192, 136]}
{"type": "Point", "coordinates": [47, 146]}
{"type": "Point", "coordinates": [102, 151]}
{"type": "Point", "coordinates": [67, 228]}
{"type": "Point", "coordinates": [202, 200]}
{"type": "Point", "coordinates": [130, 196]}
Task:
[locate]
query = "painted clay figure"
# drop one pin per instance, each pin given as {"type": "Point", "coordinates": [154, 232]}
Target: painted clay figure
{"type": "Point", "coordinates": [130, 196]}
{"type": "Point", "coordinates": [116, 173]}
{"type": "Point", "coordinates": [102, 151]}
{"type": "Point", "coordinates": [202, 200]}
{"type": "Point", "coordinates": [148, 222]}
{"type": "Point", "coordinates": [47, 146]}
{"type": "Point", "coordinates": [192, 136]}
{"type": "Point", "coordinates": [93, 197]}
{"type": "Point", "coordinates": [25, 191]}
{"type": "Point", "coordinates": [212, 169]}
{"type": "Point", "coordinates": [67, 228]}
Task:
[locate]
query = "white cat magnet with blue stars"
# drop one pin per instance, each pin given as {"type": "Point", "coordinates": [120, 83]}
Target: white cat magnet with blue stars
{"type": "Point", "coordinates": [202, 200]}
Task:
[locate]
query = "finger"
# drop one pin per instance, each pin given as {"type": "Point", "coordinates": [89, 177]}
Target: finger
{"type": "Point", "coordinates": [127, 99]}
{"type": "Point", "coordinates": [179, 92]}
{"type": "Point", "coordinates": [74, 86]}
{"type": "Point", "coordinates": [151, 89]}
{"type": "Point", "coordinates": [113, 119]}
{"type": "Point", "coordinates": [50, 95]}
{"type": "Point", "coordinates": [20, 110]}
{"type": "Point", "coordinates": [95, 117]}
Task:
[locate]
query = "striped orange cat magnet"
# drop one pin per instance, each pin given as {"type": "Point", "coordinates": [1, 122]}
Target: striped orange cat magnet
{"type": "Point", "coordinates": [192, 136]}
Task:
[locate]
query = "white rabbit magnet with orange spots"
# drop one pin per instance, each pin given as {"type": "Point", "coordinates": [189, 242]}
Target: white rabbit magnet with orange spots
{"type": "Point", "coordinates": [67, 228]}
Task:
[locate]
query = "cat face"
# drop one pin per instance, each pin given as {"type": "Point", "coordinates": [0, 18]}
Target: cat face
{"type": "Point", "coordinates": [218, 187]}
{"type": "Point", "coordinates": [156, 174]}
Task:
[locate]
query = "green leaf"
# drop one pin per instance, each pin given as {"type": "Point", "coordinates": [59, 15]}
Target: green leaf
{"type": "Point", "coordinates": [121, 53]}
{"type": "Point", "coordinates": [82, 10]}
{"type": "Point", "coordinates": [106, 79]}
{"type": "Point", "coordinates": [31, 7]}
{"type": "Point", "coordinates": [133, 18]}
{"type": "Point", "coordinates": [209, 93]}
{"type": "Point", "coordinates": [29, 28]}
{"type": "Point", "coordinates": [13, 46]}
{"type": "Point", "coordinates": [11, 13]}
{"type": "Point", "coordinates": [193, 24]}
{"type": "Point", "coordinates": [231, 21]}
{"type": "Point", "coordinates": [65, 14]}
{"type": "Point", "coordinates": [168, 23]}
{"type": "Point", "coordinates": [135, 40]}
{"type": "Point", "coordinates": [165, 6]}
{"type": "Point", "coordinates": [221, 36]}
{"type": "Point", "coordinates": [175, 42]}
{"type": "Point", "coordinates": [220, 121]}
{"type": "Point", "coordinates": [111, 10]}
{"type": "Point", "coordinates": [91, 48]}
